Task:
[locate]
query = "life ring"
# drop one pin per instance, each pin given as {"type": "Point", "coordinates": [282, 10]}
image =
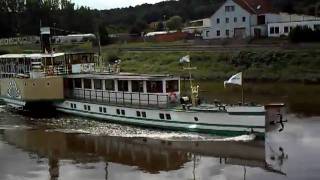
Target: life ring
{"type": "Point", "coordinates": [173, 97]}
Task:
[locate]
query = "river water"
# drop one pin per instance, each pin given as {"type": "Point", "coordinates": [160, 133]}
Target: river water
{"type": "Point", "coordinates": [58, 146]}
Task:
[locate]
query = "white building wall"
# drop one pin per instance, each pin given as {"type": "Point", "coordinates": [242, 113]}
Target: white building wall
{"type": "Point", "coordinates": [289, 26]}
{"type": "Point", "coordinates": [238, 13]}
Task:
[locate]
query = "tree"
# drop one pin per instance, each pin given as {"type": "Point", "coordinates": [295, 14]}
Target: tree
{"type": "Point", "coordinates": [104, 36]}
{"type": "Point", "coordinates": [175, 23]}
{"type": "Point", "coordinates": [160, 26]}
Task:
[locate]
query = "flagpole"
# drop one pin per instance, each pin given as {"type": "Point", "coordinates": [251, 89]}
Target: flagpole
{"type": "Point", "coordinates": [242, 90]}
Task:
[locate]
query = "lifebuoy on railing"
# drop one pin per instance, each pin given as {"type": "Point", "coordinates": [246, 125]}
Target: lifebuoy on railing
{"type": "Point", "coordinates": [50, 71]}
{"type": "Point", "coordinates": [173, 97]}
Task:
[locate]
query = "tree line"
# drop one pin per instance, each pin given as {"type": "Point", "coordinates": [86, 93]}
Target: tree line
{"type": "Point", "coordinates": [20, 18]}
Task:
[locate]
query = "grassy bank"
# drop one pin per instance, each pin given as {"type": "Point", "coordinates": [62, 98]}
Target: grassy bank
{"type": "Point", "coordinates": [290, 66]}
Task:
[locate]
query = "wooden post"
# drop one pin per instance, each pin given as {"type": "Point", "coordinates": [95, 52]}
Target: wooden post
{"type": "Point", "coordinates": [242, 89]}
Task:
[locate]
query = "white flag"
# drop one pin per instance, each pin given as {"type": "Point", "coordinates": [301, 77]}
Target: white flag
{"type": "Point", "coordinates": [235, 79]}
{"type": "Point", "coordinates": [185, 59]}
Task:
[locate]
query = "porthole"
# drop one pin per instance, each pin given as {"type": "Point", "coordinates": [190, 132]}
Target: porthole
{"type": "Point", "coordinates": [48, 83]}
{"type": "Point", "coordinates": [33, 84]}
{"type": "Point", "coordinates": [196, 119]}
{"type": "Point", "coordinates": [138, 114]}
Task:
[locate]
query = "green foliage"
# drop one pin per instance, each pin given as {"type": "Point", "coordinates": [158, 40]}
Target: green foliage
{"type": "Point", "coordinates": [175, 23]}
{"type": "Point", "coordinates": [104, 36]}
{"type": "Point", "coordinates": [304, 34]}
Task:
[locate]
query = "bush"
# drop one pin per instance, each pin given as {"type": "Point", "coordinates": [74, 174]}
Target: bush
{"type": "Point", "coordinates": [304, 34]}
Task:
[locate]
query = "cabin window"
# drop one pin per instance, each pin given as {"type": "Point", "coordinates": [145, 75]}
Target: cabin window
{"type": "Point", "coordinates": [144, 114]}
{"type": "Point", "coordinates": [104, 110]}
{"type": "Point", "coordinates": [138, 114]}
{"type": "Point", "coordinates": [154, 87]}
{"type": "Point", "coordinates": [137, 86]}
{"type": "Point", "coordinates": [161, 116]}
{"type": "Point", "coordinates": [100, 109]}
{"type": "Point", "coordinates": [97, 84]}
{"type": "Point", "coordinates": [118, 111]}
{"type": "Point", "coordinates": [172, 86]}
{"type": "Point", "coordinates": [123, 112]}
{"type": "Point", "coordinates": [87, 84]}
{"type": "Point", "coordinates": [89, 108]}
{"type": "Point", "coordinates": [168, 116]}
{"type": "Point", "coordinates": [123, 85]}
{"type": "Point", "coordinates": [85, 107]}
{"type": "Point", "coordinates": [71, 105]}
{"type": "Point", "coordinates": [109, 85]}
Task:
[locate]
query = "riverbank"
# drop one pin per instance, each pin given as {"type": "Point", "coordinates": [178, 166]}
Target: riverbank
{"type": "Point", "coordinates": [257, 65]}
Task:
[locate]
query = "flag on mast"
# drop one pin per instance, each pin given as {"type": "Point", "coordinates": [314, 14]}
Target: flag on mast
{"type": "Point", "coordinates": [185, 59]}
{"type": "Point", "coordinates": [235, 79]}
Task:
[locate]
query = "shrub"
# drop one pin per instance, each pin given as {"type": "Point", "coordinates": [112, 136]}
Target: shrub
{"type": "Point", "coordinates": [304, 34]}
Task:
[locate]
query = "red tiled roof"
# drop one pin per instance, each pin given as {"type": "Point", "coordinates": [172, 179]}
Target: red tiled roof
{"type": "Point", "coordinates": [255, 6]}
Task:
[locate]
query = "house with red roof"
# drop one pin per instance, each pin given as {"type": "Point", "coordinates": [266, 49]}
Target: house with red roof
{"type": "Point", "coordinates": [241, 19]}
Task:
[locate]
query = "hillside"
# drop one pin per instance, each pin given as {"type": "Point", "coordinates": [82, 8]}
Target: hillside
{"type": "Point", "coordinates": [25, 21]}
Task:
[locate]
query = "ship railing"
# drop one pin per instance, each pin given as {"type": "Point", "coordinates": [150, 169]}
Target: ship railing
{"type": "Point", "coordinates": [120, 98]}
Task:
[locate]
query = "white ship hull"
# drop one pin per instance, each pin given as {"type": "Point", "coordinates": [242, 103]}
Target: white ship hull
{"type": "Point", "coordinates": [233, 121]}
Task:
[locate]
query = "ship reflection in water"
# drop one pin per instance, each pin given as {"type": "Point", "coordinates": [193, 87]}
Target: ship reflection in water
{"type": "Point", "coordinates": [151, 156]}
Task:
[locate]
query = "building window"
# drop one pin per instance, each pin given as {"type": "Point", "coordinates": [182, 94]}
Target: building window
{"type": "Point", "coordinates": [218, 33]}
{"type": "Point", "coordinates": [227, 20]}
{"type": "Point", "coordinates": [138, 114]}
{"type": "Point", "coordinates": [97, 84]}
{"type": "Point", "coordinates": [161, 116]}
{"type": "Point", "coordinates": [227, 33]}
{"type": "Point", "coordinates": [87, 84]}
{"type": "Point", "coordinates": [243, 19]}
{"type": "Point", "coordinates": [235, 19]}
{"type": "Point", "coordinates": [168, 116]}
{"type": "Point", "coordinates": [271, 30]}
{"type": "Point", "coordinates": [276, 29]}
{"type": "Point", "coordinates": [218, 21]}
{"type": "Point", "coordinates": [286, 29]}
{"type": "Point", "coordinates": [144, 114]}
{"type": "Point", "coordinates": [154, 87]}
{"type": "Point", "coordinates": [122, 85]}
{"type": "Point", "coordinates": [229, 8]}
{"type": "Point", "coordinates": [77, 83]}
{"type": "Point", "coordinates": [207, 33]}
{"type": "Point", "coordinates": [172, 86]}
{"type": "Point", "coordinates": [109, 85]}
{"type": "Point", "coordinates": [137, 86]}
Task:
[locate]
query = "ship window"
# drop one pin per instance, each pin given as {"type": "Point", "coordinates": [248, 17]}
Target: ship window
{"type": "Point", "coordinates": [168, 116]}
{"type": "Point", "coordinates": [118, 111]}
{"type": "Point", "coordinates": [97, 84]}
{"type": "Point", "coordinates": [137, 86]}
{"type": "Point", "coordinates": [122, 85]}
{"type": "Point", "coordinates": [89, 108]}
{"type": "Point", "coordinates": [75, 106]}
{"type": "Point", "coordinates": [154, 87]}
{"type": "Point", "coordinates": [71, 105]}
{"type": "Point", "coordinates": [77, 83]}
{"type": "Point", "coordinates": [87, 84]}
{"type": "Point", "coordinates": [123, 112]}
{"type": "Point", "coordinates": [161, 116]}
{"type": "Point", "coordinates": [109, 85]}
{"type": "Point", "coordinates": [172, 86]}
{"type": "Point", "coordinates": [144, 114]}
{"type": "Point", "coordinates": [104, 110]}
{"type": "Point", "coordinates": [100, 109]}
{"type": "Point", "coordinates": [85, 107]}
{"type": "Point", "coordinates": [138, 114]}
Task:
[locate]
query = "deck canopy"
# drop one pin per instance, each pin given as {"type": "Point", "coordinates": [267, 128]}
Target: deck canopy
{"type": "Point", "coordinates": [123, 76]}
{"type": "Point", "coordinates": [30, 56]}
